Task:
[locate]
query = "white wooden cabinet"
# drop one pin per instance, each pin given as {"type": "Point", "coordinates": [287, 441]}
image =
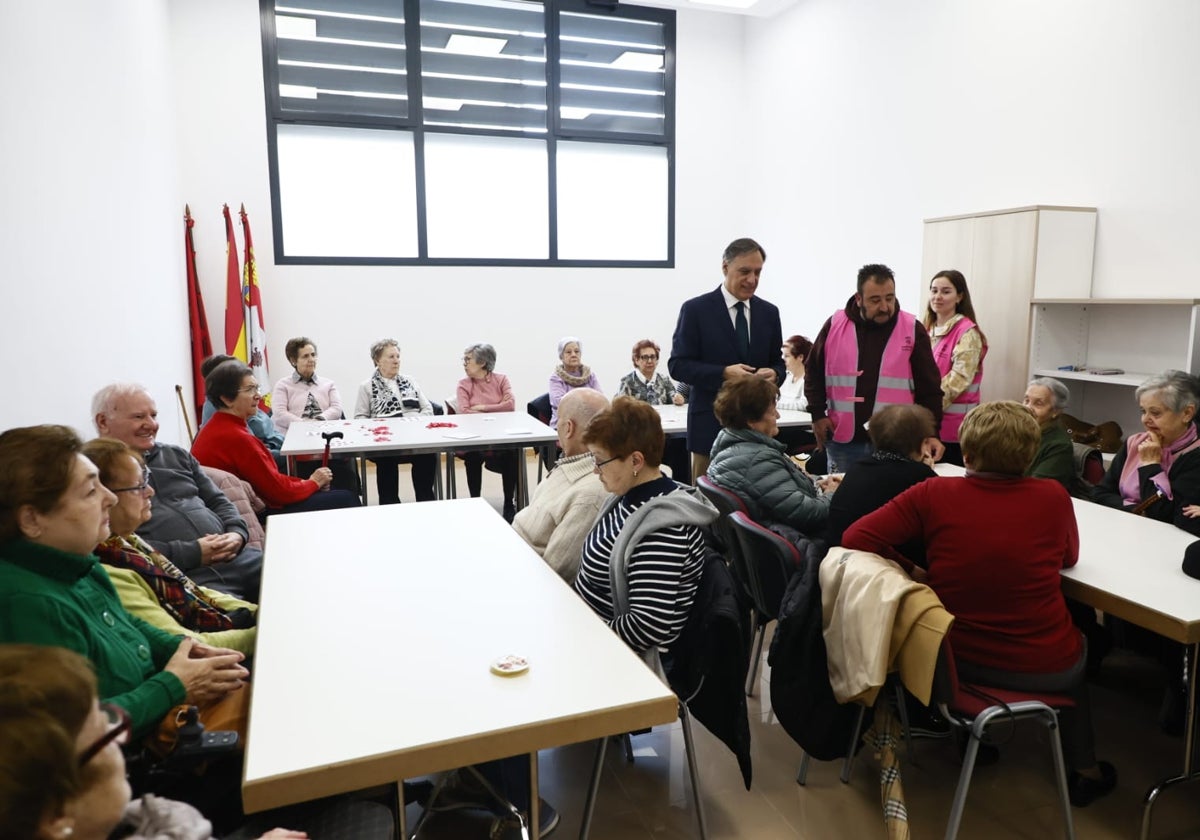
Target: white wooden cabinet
{"type": "Point", "coordinates": [1140, 337]}
{"type": "Point", "coordinates": [1011, 257]}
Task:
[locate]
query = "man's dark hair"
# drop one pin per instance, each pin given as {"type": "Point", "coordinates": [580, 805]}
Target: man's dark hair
{"type": "Point", "coordinates": [874, 271]}
{"type": "Point", "coordinates": [738, 247]}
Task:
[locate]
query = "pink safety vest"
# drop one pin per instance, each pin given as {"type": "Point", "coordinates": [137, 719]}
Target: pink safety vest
{"type": "Point", "coordinates": [943, 353]}
{"type": "Point", "coordinates": [842, 372]}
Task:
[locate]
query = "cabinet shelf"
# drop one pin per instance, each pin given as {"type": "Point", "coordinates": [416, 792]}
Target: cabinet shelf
{"type": "Point", "coordinates": [1128, 380]}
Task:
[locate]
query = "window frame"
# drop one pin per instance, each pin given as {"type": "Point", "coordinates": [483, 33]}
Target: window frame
{"type": "Point", "coordinates": [413, 124]}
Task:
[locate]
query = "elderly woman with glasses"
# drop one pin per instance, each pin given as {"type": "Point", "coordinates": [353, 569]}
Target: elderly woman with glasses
{"type": "Point", "coordinates": [570, 373]}
{"type": "Point", "coordinates": [644, 383]}
{"type": "Point", "coordinates": [53, 590]}
{"type": "Point", "coordinates": [225, 443]}
{"type": "Point", "coordinates": [647, 538]}
{"type": "Point", "coordinates": [483, 390]}
{"type": "Point", "coordinates": [149, 585]}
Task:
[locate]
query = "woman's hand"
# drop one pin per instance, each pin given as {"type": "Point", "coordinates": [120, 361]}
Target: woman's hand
{"type": "Point", "coordinates": [322, 476]}
{"type": "Point", "coordinates": [1150, 450]}
{"type": "Point", "coordinates": [678, 399]}
{"type": "Point", "coordinates": [209, 677]}
{"type": "Point", "coordinates": [1191, 511]}
{"type": "Point", "coordinates": [284, 834]}
{"type": "Point", "coordinates": [831, 482]}
{"type": "Point", "coordinates": [477, 409]}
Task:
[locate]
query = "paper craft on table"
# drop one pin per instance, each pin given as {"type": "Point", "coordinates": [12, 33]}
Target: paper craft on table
{"type": "Point", "coordinates": [459, 435]}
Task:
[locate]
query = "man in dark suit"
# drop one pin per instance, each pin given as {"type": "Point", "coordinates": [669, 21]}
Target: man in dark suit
{"type": "Point", "coordinates": [722, 335]}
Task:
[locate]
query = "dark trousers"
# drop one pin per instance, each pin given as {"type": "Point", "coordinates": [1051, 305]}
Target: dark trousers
{"type": "Point", "coordinates": [387, 477]}
{"type": "Point", "coordinates": [1078, 740]}
{"type": "Point", "coordinates": [345, 473]}
{"type": "Point", "coordinates": [504, 462]}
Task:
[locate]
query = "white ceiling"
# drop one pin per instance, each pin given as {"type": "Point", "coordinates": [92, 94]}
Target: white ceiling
{"type": "Point", "coordinates": [760, 8]}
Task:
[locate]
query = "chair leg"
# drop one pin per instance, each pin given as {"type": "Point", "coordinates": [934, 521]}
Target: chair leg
{"type": "Point", "coordinates": [1060, 773]}
{"type": "Point", "coordinates": [902, 708]}
{"type": "Point", "coordinates": [802, 773]}
{"type": "Point", "coordinates": [964, 784]}
{"type": "Point", "coordinates": [848, 762]}
{"type": "Point", "coordinates": [690, 749]}
{"type": "Point", "coordinates": [627, 743]}
{"type": "Point", "coordinates": [756, 646]}
{"type": "Point", "coordinates": [589, 804]}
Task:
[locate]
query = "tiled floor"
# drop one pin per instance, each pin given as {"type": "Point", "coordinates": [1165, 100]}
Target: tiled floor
{"type": "Point", "coordinates": [651, 798]}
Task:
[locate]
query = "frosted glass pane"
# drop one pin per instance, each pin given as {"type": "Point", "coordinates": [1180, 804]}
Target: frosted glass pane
{"type": "Point", "coordinates": [612, 202]}
{"type": "Point", "coordinates": [346, 192]}
{"type": "Point", "coordinates": [485, 197]}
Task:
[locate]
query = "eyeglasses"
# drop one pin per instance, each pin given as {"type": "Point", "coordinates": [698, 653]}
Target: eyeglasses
{"type": "Point", "coordinates": [596, 465]}
{"type": "Point", "coordinates": [119, 727]}
{"type": "Point", "coordinates": [250, 389]}
{"type": "Point", "coordinates": [141, 488]}
{"type": "Point", "coordinates": [647, 358]}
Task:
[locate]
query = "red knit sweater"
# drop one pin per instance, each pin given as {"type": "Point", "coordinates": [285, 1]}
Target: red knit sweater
{"type": "Point", "coordinates": [994, 548]}
{"type": "Point", "coordinates": [226, 443]}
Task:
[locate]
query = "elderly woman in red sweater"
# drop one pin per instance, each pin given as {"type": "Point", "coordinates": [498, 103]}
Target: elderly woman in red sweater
{"type": "Point", "coordinates": [226, 443]}
{"type": "Point", "coordinates": [995, 542]}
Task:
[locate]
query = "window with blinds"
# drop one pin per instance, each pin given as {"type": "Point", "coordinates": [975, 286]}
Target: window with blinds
{"type": "Point", "coordinates": [470, 131]}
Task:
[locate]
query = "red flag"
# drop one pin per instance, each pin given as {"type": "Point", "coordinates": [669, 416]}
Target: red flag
{"type": "Point", "coordinates": [197, 321]}
{"type": "Point", "coordinates": [256, 333]}
{"type": "Point", "coordinates": [235, 301]}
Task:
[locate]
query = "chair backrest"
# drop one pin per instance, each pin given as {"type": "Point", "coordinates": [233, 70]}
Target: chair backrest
{"type": "Point", "coordinates": [437, 408]}
{"type": "Point", "coordinates": [244, 499]}
{"type": "Point", "coordinates": [1090, 462]}
{"type": "Point", "coordinates": [727, 502]}
{"type": "Point", "coordinates": [539, 407]}
{"type": "Point", "coordinates": [770, 559]}
{"type": "Point", "coordinates": [451, 405]}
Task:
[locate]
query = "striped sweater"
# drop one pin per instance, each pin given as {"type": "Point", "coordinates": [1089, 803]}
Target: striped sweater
{"type": "Point", "coordinates": [662, 569]}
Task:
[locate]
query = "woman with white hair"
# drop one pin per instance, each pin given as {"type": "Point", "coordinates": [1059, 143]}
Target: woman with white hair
{"type": "Point", "coordinates": [570, 373]}
{"type": "Point", "coordinates": [1046, 399]}
{"type": "Point", "coordinates": [484, 390]}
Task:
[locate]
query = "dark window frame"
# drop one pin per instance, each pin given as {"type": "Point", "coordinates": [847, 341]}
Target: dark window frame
{"type": "Point", "coordinates": [413, 125]}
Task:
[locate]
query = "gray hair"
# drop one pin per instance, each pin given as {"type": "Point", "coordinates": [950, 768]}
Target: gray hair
{"type": "Point", "coordinates": [484, 355]}
{"type": "Point", "coordinates": [1178, 389]}
{"type": "Point", "coordinates": [568, 339]}
{"type": "Point", "coordinates": [106, 399]}
{"type": "Point", "coordinates": [382, 344]}
{"type": "Point", "coordinates": [1058, 391]}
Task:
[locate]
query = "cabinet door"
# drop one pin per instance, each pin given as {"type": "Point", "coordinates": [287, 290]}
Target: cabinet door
{"type": "Point", "coordinates": [1001, 283]}
{"type": "Point", "coordinates": [947, 244]}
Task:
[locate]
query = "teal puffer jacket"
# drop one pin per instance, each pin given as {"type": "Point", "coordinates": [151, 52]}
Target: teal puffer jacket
{"type": "Point", "coordinates": [775, 490]}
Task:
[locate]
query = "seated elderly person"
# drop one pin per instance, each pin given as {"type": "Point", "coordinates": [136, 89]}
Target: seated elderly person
{"type": "Point", "coordinates": [194, 525]}
{"type": "Point", "coordinates": [661, 562]}
{"type": "Point", "coordinates": [302, 395]}
{"type": "Point", "coordinates": [53, 591]}
{"type": "Point", "coordinates": [1046, 399]}
{"type": "Point", "coordinates": [644, 383]}
{"type": "Point", "coordinates": [901, 458]}
{"type": "Point", "coordinates": [388, 394]}
{"type": "Point", "coordinates": [747, 460]}
{"type": "Point", "coordinates": [261, 424]}
{"type": "Point", "coordinates": [570, 373]}
{"type": "Point", "coordinates": [149, 585]}
{"type": "Point", "coordinates": [1012, 628]}
{"type": "Point", "coordinates": [484, 390]}
{"type": "Point", "coordinates": [559, 516]}
{"type": "Point", "coordinates": [1157, 472]}
{"type": "Point", "coordinates": [226, 443]}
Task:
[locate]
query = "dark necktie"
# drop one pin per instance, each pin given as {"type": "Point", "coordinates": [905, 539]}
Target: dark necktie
{"type": "Point", "coordinates": [743, 331]}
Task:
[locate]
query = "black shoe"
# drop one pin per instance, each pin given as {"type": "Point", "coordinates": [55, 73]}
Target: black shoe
{"type": "Point", "coordinates": [1084, 790]}
{"type": "Point", "coordinates": [510, 511]}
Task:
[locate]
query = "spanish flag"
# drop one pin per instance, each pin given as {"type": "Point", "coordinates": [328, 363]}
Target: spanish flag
{"type": "Point", "coordinates": [255, 331]}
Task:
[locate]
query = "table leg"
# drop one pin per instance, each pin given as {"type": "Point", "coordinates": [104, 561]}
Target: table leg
{"type": "Point", "coordinates": [1189, 744]}
{"type": "Point", "coordinates": [401, 812]}
{"type": "Point", "coordinates": [437, 480]}
{"type": "Point", "coordinates": [291, 464]}
{"type": "Point", "coordinates": [451, 477]}
{"type": "Point", "coordinates": [522, 478]}
{"type": "Point", "coordinates": [534, 804]}
{"type": "Point", "coordinates": [589, 804]}
{"type": "Point", "coordinates": [362, 477]}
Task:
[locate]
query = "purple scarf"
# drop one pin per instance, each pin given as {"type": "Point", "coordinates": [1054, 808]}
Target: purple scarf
{"type": "Point", "coordinates": [1130, 487]}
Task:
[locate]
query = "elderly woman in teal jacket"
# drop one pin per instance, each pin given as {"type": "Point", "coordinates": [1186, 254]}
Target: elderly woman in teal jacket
{"type": "Point", "coordinates": [747, 460]}
{"type": "Point", "coordinates": [53, 590]}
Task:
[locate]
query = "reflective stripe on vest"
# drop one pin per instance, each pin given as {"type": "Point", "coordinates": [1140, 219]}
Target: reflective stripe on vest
{"type": "Point", "coordinates": [842, 371]}
{"type": "Point", "coordinates": [943, 354]}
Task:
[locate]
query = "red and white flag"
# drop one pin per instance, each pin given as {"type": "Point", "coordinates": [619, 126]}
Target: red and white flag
{"type": "Point", "coordinates": [255, 331]}
{"type": "Point", "coordinates": [197, 321]}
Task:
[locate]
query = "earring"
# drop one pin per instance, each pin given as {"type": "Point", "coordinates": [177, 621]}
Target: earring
{"type": "Point", "coordinates": [635, 472]}
{"type": "Point", "coordinates": [67, 831]}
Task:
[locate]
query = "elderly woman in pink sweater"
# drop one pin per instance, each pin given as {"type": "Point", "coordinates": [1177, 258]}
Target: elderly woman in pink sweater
{"type": "Point", "coordinates": [482, 389]}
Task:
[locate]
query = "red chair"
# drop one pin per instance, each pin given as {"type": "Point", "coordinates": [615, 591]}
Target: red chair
{"type": "Point", "coordinates": [974, 708]}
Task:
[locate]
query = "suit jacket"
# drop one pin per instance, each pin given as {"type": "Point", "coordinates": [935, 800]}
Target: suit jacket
{"type": "Point", "coordinates": [705, 344]}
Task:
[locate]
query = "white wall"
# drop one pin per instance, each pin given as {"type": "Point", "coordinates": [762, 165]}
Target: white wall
{"type": "Point", "coordinates": [874, 115]}
{"type": "Point", "coordinates": [434, 312]}
{"type": "Point", "coordinates": [90, 228]}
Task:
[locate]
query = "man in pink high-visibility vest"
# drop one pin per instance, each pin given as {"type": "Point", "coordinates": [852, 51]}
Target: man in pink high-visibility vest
{"type": "Point", "coordinates": [869, 355]}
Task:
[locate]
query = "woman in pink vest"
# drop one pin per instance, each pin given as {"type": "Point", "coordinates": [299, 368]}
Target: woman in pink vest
{"type": "Point", "coordinates": [958, 348]}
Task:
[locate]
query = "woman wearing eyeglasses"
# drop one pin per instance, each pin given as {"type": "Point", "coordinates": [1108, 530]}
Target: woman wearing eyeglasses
{"type": "Point", "coordinates": [53, 590]}
{"type": "Point", "coordinates": [643, 382]}
{"type": "Point", "coordinates": [225, 443]}
{"type": "Point", "coordinates": [569, 374]}
{"type": "Point", "coordinates": [64, 769]}
{"type": "Point", "coordinates": [149, 585]}
{"type": "Point", "coordinates": [484, 390]}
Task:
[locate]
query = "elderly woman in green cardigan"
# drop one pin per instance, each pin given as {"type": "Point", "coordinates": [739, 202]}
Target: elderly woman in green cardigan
{"type": "Point", "coordinates": [149, 585]}
{"type": "Point", "coordinates": [53, 590]}
{"type": "Point", "coordinates": [1046, 399]}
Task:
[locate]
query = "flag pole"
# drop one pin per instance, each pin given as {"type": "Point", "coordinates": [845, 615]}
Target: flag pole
{"type": "Point", "coordinates": [183, 407]}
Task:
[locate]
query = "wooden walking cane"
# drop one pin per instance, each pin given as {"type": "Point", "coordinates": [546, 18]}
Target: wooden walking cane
{"type": "Point", "coordinates": [186, 418]}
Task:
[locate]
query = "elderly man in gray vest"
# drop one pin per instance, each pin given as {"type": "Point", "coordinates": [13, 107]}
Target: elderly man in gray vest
{"type": "Point", "coordinates": [192, 522]}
